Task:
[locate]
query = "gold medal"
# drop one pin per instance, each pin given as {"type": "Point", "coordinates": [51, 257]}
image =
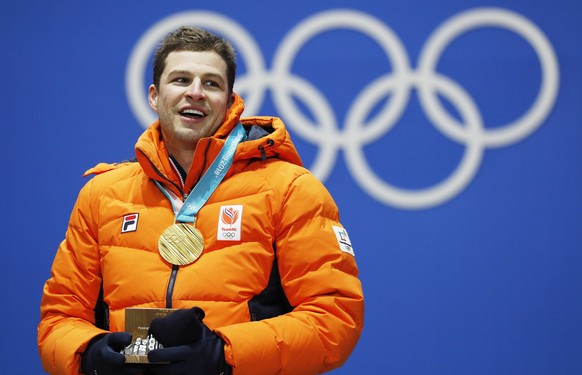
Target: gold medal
{"type": "Point", "coordinates": [181, 244]}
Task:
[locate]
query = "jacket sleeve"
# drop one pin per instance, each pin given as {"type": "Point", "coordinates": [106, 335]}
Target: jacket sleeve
{"type": "Point", "coordinates": [69, 296]}
{"type": "Point", "coordinates": [320, 279]}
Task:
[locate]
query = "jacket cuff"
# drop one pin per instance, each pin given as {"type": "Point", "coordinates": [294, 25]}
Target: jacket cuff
{"type": "Point", "coordinates": [251, 348]}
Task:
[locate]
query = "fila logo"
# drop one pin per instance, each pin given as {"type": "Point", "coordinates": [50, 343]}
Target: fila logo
{"type": "Point", "coordinates": [229, 223]}
{"type": "Point", "coordinates": [129, 223]}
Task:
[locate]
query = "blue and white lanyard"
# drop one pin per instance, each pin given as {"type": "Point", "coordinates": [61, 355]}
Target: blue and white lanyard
{"type": "Point", "coordinates": [186, 211]}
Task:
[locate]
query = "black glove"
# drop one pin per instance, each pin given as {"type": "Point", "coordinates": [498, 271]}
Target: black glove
{"type": "Point", "coordinates": [178, 328]}
{"type": "Point", "coordinates": [204, 356]}
{"type": "Point", "coordinates": [103, 357]}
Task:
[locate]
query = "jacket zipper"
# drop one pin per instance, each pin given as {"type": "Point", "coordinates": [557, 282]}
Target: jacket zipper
{"type": "Point", "coordinates": [162, 175]}
{"type": "Point", "coordinates": [171, 283]}
{"type": "Point", "coordinates": [175, 268]}
{"type": "Point", "coordinates": [174, 273]}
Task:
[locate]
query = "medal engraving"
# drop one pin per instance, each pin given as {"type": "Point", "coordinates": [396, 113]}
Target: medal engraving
{"type": "Point", "coordinates": [181, 244]}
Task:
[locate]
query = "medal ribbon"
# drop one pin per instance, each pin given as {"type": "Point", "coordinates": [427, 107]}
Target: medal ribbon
{"type": "Point", "coordinates": [209, 181]}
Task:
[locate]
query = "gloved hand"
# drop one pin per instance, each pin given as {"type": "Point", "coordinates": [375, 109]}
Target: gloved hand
{"type": "Point", "coordinates": [103, 357]}
{"type": "Point", "coordinates": [204, 356]}
{"type": "Point", "coordinates": [180, 327]}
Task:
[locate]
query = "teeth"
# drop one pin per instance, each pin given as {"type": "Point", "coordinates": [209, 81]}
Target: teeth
{"type": "Point", "coordinates": [192, 112]}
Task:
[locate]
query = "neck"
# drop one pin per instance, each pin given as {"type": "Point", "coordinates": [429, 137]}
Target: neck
{"type": "Point", "coordinates": [183, 157]}
{"type": "Point", "coordinates": [179, 169]}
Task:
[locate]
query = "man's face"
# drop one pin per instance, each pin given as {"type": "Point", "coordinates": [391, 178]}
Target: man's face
{"type": "Point", "coordinates": [192, 98]}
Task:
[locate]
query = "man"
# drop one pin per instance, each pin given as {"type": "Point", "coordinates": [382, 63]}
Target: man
{"type": "Point", "coordinates": [217, 219]}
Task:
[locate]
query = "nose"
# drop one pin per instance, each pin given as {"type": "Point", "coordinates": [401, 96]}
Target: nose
{"type": "Point", "coordinates": [195, 90]}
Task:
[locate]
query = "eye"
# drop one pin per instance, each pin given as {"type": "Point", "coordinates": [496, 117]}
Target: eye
{"type": "Point", "coordinates": [181, 80]}
{"type": "Point", "coordinates": [211, 83]}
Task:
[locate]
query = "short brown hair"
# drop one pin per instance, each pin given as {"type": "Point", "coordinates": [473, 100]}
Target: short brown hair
{"type": "Point", "coordinates": [188, 38]}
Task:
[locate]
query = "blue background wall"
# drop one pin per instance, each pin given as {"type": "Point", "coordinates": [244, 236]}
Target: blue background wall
{"type": "Point", "coordinates": [469, 246]}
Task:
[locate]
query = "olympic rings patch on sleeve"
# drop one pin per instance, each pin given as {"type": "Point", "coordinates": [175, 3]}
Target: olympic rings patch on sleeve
{"type": "Point", "coordinates": [343, 240]}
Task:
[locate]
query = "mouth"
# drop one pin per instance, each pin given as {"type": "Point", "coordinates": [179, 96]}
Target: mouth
{"type": "Point", "coordinates": [192, 113]}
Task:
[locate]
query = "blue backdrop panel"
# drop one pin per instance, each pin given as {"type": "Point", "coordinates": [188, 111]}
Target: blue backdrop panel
{"type": "Point", "coordinates": [448, 132]}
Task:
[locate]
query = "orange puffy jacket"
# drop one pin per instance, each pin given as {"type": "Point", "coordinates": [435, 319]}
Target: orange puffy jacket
{"type": "Point", "coordinates": [290, 237]}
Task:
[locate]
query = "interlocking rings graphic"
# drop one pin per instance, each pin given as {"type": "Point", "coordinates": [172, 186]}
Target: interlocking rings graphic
{"type": "Point", "coordinates": [356, 133]}
{"type": "Point", "coordinates": [228, 235]}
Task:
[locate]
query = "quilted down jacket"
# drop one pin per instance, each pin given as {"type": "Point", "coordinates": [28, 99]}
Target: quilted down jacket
{"type": "Point", "coordinates": [285, 297]}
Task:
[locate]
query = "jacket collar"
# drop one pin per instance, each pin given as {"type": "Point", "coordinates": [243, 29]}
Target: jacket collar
{"type": "Point", "coordinates": [153, 157]}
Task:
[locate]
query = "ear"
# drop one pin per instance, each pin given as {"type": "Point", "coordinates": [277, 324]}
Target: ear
{"type": "Point", "coordinates": [230, 100]}
{"type": "Point", "coordinates": [153, 97]}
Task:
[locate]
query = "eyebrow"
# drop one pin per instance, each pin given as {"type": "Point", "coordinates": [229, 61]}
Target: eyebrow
{"type": "Point", "coordinates": [189, 73]}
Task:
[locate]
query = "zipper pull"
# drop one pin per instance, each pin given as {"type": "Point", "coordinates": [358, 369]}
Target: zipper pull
{"type": "Point", "coordinates": [270, 143]}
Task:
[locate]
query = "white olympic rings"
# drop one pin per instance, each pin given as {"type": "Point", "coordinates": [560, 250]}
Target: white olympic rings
{"type": "Point", "coordinates": [358, 130]}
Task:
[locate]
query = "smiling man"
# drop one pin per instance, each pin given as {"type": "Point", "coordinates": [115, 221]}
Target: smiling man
{"type": "Point", "coordinates": [191, 100]}
{"type": "Point", "coordinates": [215, 222]}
